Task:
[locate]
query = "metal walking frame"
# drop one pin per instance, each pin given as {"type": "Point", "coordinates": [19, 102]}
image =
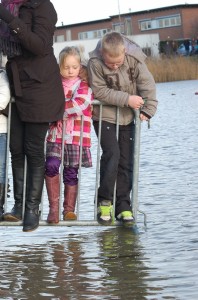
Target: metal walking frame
{"type": "Point", "coordinates": [79, 221]}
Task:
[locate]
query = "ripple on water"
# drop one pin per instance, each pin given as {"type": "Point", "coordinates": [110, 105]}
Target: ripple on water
{"type": "Point", "coordinates": [160, 262]}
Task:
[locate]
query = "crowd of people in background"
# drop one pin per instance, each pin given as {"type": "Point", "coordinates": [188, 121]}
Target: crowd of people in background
{"type": "Point", "coordinates": [50, 101]}
{"type": "Point", "coordinates": [180, 48]}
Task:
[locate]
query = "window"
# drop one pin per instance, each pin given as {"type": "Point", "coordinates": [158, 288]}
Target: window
{"type": "Point", "coordinates": [166, 22]}
{"type": "Point", "coordinates": [145, 25]}
{"type": "Point", "coordinates": [68, 35]}
{"type": "Point", "coordinates": [119, 27]}
{"type": "Point", "coordinates": [162, 22]}
{"type": "Point", "coordinates": [95, 34]}
{"type": "Point", "coordinates": [147, 51]}
{"type": "Point", "coordinates": [88, 35]}
{"type": "Point", "coordinates": [60, 38]}
{"type": "Point", "coordinates": [128, 26]}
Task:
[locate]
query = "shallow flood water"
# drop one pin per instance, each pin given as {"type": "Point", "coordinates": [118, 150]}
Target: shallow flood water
{"type": "Point", "coordinates": [159, 262]}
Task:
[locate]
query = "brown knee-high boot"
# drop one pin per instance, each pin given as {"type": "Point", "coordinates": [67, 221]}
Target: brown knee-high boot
{"type": "Point", "coordinates": [70, 195]}
{"type": "Point", "coordinates": [53, 191]}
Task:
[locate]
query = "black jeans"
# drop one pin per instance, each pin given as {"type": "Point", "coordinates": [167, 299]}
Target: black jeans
{"type": "Point", "coordinates": [26, 139]}
{"type": "Point", "coordinates": [116, 164]}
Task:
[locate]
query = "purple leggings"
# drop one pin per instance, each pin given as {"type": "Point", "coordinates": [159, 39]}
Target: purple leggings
{"type": "Point", "coordinates": [70, 174]}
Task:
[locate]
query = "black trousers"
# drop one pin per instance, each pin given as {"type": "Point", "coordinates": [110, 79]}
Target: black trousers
{"type": "Point", "coordinates": [116, 164]}
{"type": "Point", "coordinates": [26, 139]}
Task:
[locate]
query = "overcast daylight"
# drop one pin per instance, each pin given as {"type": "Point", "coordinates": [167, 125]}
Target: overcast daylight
{"type": "Point", "coordinates": [88, 10]}
{"type": "Point", "coordinates": [98, 150]}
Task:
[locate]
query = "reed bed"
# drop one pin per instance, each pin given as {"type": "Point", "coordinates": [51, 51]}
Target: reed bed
{"type": "Point", "coordinates": [175, 68]}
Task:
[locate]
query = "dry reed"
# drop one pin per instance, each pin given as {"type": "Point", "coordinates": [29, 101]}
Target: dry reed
{"type": "Point", "coordinates": [176, 68]}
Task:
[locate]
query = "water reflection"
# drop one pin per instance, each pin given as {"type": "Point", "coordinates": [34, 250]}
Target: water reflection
{"type": "Point", "coordinates": [105, 264]}
{"type": "Point", "coordinates": [122, 256]}
{"type": "Point", "coordinates": [75, 263]}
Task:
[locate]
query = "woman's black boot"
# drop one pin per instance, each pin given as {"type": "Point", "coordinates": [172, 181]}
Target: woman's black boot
{"type": "Point", "coordinates": [35, 182]}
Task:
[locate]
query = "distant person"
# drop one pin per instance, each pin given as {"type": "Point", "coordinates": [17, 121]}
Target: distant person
{"type": "Point", "coordinates": [4, 100]}
{"type": "Point", "coordinates": [187, 46]}
{"type": "Point", "coordinates": [168, 48]}
{"type": "Point", "coordinates": [119, 77]}
{"type": "Point", "coordinates": [26, 37]}
{"type": "Point", "coordinates": [174, 47]}
{"type": "Point", "coordinates": [78, 98]}
{"type": "Point", "coordinates": [194, 47]}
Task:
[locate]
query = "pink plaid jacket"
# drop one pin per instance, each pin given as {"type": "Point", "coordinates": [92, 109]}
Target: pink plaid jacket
{"type": "Point", "coordinates": [78, 98]}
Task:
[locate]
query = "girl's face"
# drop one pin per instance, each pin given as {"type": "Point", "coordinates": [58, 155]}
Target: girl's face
{"type": "Point", "coordinates": [71, 67]}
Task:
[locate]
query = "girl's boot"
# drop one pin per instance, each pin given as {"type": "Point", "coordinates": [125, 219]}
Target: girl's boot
{"type": "Point", "coordinates": [53, 191]}
{"type": "Point", "coordinates": [70, 195]}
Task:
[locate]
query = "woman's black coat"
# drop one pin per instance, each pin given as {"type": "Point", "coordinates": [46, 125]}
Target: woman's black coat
{"type": "Point", "coordinates": [35, 76]}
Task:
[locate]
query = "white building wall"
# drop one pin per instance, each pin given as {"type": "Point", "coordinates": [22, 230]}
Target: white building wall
{"type": "Point", "coordinates": [147, 41]}
{"type": "Point", "coordinates": [86, 46]}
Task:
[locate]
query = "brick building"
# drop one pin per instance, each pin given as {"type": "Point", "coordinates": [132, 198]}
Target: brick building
{"type": "Point", "coordinates": [173, 24]}
{"type": "Point", "coordinates": [177, 22]}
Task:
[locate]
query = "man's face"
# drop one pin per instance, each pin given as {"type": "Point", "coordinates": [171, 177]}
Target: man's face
{"type": "Point", "coordinates": [112, 62]}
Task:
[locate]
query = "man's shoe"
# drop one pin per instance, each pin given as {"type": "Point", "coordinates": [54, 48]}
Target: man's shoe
{"type": "Point", "coordinates": [105, 213]}
{"type": "Point", "coordinates": [126, 217]}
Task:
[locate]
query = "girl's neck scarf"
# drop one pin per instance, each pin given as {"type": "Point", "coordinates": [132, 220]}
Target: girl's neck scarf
{"type": "Point", "coordinates": [68, 83]}
{"type": "Point", "coordinates": [9, 43]}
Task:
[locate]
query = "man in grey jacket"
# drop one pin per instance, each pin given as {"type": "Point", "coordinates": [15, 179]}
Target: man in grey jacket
{"type": "Point", "coordinates": [120, 78]}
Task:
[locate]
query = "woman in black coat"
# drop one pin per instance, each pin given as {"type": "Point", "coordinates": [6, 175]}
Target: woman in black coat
{"type": "Point", "coordinates": [26, 37]}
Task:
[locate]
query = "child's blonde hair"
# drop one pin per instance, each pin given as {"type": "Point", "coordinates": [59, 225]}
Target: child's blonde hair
{"type": "Point", "coordinates": [73, 50]}
{"type": "Point", "coordinates": [68, 51]}
{"type": "Point", "coordinates": [112, 44]}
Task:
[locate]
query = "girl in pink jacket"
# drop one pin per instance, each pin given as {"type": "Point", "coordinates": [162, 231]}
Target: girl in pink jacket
{"type": "Point", "coordinates": [78, 98]}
